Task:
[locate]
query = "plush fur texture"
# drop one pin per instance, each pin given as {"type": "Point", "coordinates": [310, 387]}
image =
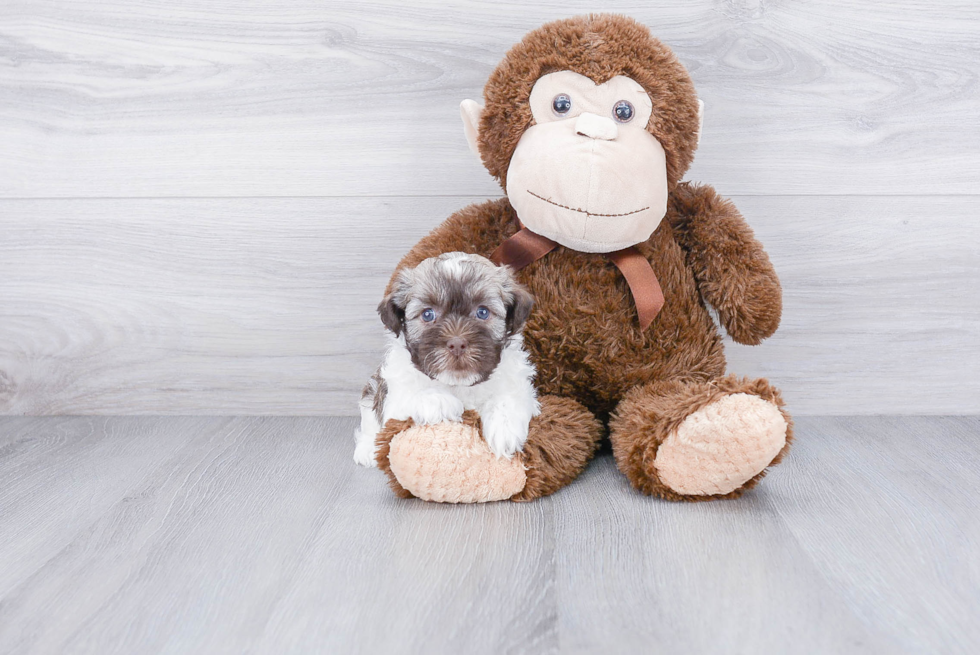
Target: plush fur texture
{"type": "Point", "coordinates": [718, 448]}
{"type": "Point", "coordinates": [566, 436]}
{"type": "Point", "coordinates": [450, 463]}
{"type": "Point", "coordinates": [733, 271]}
{"type": "Point", "coordinates": [382, 451]}
{"type": "Point", "coordinates": [652, 413]}
{"type": "Point", "coordinates": [593, 361]}
{"type": "Point", "coordinates": [555, 457]}
{"type": "Point", "coordinates": [600, 47]}
{"type": "Point", "coordinates": [572, 177]}
{"type": "Point", "coordinates": [583, 334]}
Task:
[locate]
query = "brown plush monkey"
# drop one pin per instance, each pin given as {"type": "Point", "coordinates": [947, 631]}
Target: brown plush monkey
{"type": "Point", "coordinates": [589, 125]}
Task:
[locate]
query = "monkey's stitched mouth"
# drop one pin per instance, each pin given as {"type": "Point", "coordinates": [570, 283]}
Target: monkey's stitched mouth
{"type": "Point", "coordinates": [583, 211]}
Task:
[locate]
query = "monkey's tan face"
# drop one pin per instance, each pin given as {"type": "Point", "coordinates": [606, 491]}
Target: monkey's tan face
{"type": "Point", "coordinates": [587, 174]}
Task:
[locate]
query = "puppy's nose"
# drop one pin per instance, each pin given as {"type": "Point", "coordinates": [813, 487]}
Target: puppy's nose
{"type": "Point", "coordinates": [456, 345]}
{"type": "Point", "coordinates": [596, 127]}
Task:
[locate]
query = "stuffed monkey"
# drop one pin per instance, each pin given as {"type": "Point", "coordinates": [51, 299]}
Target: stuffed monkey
{"type": "Point", "coordinates": [589, 124]}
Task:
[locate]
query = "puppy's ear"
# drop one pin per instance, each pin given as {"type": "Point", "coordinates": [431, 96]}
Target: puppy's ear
{"type": "Point", "coordinates": [518, 309]}
{"type": "Point", "coordinates": [392, 308]}
{"type": "Point", "coordinates": [392, 315]}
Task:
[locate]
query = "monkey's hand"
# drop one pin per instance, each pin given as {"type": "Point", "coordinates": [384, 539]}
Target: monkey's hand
{"type": "Point", "coordinates": [733, 271]}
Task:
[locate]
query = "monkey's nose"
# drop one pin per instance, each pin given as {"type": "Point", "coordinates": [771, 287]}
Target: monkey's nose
{"type": "Point", "coordinates": [596, 127]}
{"type": "Point", "coordinates": [457, 346]}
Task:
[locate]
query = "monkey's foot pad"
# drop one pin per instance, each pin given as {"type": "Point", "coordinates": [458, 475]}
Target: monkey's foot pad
{"type": "Point", "coordinates": [451, 463]}
{"type": "Point", "coordinates": [722, 445]}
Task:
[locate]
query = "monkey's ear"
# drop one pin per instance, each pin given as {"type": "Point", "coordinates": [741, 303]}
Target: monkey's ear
{"type": "Point", "coordinates": [518, 309]}
{"type": "Point", "coordinates": [700, 120]}
{"type": "Point", "coordinates": [470, 111]}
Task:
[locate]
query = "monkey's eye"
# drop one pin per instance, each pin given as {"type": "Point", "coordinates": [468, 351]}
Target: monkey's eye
{"type": "Point", "coordinates": [482, 313]}
{"type": "Point", "coordinates": [562, 104]}
{"type": "Point", "coordinates": [428, 315]}
{"type": "Point", "coordinates": [623, 111]}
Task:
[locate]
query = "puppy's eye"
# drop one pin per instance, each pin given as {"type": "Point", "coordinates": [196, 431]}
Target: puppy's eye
{"type": "Point", "coordinates": [482, 313]}
{"type": "Point", "coordinates": [623, 111]}
{"type": "Point", "coordinates": [428, 315]}
{"type": "Point", "coordinates": [562, 104]}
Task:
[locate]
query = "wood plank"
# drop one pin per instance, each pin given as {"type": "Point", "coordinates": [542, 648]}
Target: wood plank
{"type": "Point", "coordinates": [194, 534]}
{"type": "Point", "coordinates": [886, 510]}
{"type": "Point", "coordinates": [59, 477]}
{"type": "Point", "coordinates": [192, 306]}
{"type": "Point", "coordinates": [262, 537]}
{"type": "Point", "coordinates": [298, 98]}
{"type": "Point", "coordinates": [863, 540]}
{"type": "Point", "coordinates": [390, 575]}
{"type": "Point", "coordinates": [881, 313]}
{"type": "Point", "coordinates": [266, 306]}
{"type": "Point", "coordinates": [652, 576]}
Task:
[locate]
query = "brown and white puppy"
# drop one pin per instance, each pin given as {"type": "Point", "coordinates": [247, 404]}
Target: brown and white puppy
{"type": "Point", "coordinates": [455, 325]}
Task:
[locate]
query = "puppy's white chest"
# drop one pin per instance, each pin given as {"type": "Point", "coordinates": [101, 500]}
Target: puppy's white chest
{"type": "Point", "coordinates": [473, 397]}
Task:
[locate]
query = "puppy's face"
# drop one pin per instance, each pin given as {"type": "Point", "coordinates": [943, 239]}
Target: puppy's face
{"type": "Point", "coordinates": [456, 312]}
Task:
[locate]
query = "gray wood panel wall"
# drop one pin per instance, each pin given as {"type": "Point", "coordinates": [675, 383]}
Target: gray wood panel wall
{"type": "Point", "coordinates": [200, 203]}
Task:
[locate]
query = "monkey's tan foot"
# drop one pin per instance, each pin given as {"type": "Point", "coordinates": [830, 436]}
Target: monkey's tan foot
{"type": "Point", "coordinates": [699, 440]}
{"type": "Point", "coordinates": [720, 447]}
{"type": "Point", "coordinates": [446, 463]}
{"type": "Point", "coordinates": [451, 462]}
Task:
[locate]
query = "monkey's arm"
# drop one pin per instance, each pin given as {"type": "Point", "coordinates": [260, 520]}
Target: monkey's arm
{"type": "Point", "coordinates": [477, 229]}
{"type": "Point", "coordinates": [732, 269]}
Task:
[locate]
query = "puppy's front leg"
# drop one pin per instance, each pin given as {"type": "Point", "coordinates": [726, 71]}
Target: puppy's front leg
{"type": "Point", "coordinates": [374, 393]}
{"type": "Point", "coordinates": [365, 449]}
{"type": "Point", "coordinates": [505, 421]}
{"type": "Point", "coordinates": [431, 406]}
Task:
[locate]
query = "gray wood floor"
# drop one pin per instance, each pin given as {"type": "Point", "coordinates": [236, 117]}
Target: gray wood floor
{"type": "Point", "coordinates": [209, 535]}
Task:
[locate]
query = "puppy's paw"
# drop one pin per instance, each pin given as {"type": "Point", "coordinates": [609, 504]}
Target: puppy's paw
{"type": "Point", "coordinates": [505, 430]}
{"type": "Point", "coordinates": [433, 407]}
{"type": "Point", "coordinates": [365, 452]}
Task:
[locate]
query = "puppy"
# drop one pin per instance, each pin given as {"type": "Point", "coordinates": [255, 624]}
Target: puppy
{"type": "Point", "coordinates": [454, 326]}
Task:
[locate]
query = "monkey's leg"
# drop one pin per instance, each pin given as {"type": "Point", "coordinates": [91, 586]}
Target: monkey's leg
{"type": "Point", "coordinates": [695, 440]}
{"type": "Point", "coordinates": [450, 462]}
{"type": "Point", "coordinates": [560, 442]}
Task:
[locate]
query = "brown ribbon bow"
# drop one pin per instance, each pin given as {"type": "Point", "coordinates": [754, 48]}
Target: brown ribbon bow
{"type": "Point", "coordinates": [526, 246]}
